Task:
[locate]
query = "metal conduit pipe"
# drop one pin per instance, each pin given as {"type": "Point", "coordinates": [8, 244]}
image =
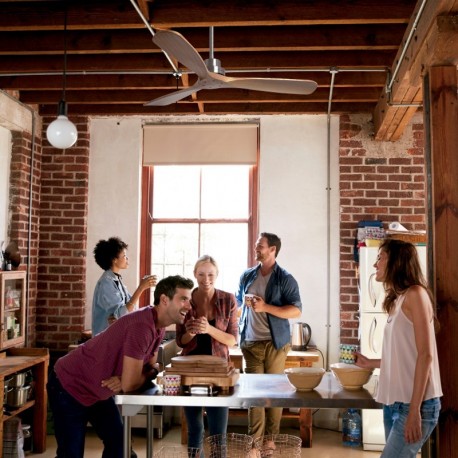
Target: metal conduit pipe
{"type": "Point", "coordinates": [184, 72]}
{"type": "Point", "coordinates": [333, 71]}
{"type": "Point", "coordinates": [148, 26]}
{"type": "Point", "coordinates": [406, 45]}
{"type": "Point", "coordinates": [29, 230]}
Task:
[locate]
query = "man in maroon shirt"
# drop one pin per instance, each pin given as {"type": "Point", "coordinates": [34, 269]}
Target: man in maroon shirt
{"type": "Point", "coordinates": [121, 358]}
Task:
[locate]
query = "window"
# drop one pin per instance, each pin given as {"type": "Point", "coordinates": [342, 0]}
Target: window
{"type": "Point", "coordinates": [191, 210]}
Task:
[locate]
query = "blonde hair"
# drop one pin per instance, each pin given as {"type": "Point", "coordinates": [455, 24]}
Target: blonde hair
{"type": "Point", "coordinates": [206, 258]}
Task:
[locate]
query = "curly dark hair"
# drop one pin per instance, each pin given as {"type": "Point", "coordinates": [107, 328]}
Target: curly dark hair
{"type": "Point", "coordinates": [108, 250]}
{"type": "Point", "coordinates": [168, 286]}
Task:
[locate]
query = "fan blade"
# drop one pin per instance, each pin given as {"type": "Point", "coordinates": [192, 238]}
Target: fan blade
{"type": "Point", "coordinates": [176, 45]}
{"type": "Point", "coordinates": [279, 85]}
{"type": "Point", "coordinates": [173, 97]}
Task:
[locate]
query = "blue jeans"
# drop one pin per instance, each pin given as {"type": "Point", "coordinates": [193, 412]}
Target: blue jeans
{"type": "Point", "coordinates": [394, 419]}
{"type": "Point", "coordinates": [71, 418]}
{"type": "Point", "coordinates": [217, 423]}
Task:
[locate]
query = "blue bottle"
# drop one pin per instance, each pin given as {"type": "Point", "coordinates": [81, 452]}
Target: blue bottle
{"type": "Point", "coordinates": [351, 428]}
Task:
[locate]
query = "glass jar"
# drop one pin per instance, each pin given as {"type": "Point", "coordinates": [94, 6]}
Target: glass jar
{"type": "Point", "coordinates": [27, 434]}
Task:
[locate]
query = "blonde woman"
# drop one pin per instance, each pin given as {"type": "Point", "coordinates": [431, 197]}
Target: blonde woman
{"type": "Point", "coordinates": [210, 328]}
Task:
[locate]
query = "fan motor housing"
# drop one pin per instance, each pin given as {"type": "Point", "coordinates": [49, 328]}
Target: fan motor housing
{"type": "Point", "coordinates": [214, 65]}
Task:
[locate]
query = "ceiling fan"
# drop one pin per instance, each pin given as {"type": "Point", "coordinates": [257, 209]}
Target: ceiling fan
{"type": "Point", "coordinates": [212, 76]}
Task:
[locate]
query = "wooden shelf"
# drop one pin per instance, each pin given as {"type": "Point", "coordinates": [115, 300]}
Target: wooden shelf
{"type": "Point", "coordinates": [17, 411]}
{"type": "Point", "coordinates": [15, 360]}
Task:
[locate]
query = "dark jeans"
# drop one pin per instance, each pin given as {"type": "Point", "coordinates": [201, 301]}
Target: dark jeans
{"type": "Point", "coordinates": [217, 423]}
{"type": "Point", "coordinates": [71, 418]}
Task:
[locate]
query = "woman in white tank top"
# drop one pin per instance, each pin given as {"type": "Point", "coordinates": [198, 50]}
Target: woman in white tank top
{"type": "Point", "coordinates": [409, 384]}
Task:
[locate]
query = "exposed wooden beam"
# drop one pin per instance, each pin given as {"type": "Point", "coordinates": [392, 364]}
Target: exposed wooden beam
{"type": "Point", "coordinates": [289, 59]}
{"type": "Point", "coordinates": [294, 38]}
{"type": "Point", "coordinates": [168, 81]}
{"type": "Point", "coordinates": [189, 13]}
{"type": "Point", "coordinates": [211, 108]}
{"type": "Point", "coordinates": [209, 96]}
{"type": "Point", "coordinates": [431, 35]}
{"type": "Point", "coordinates": [112, 63]}
{"type": "Point", "coordinates": [143, 6]}
{"type": "Point", "coordinates": [444, 164]}
{"type": "Point", "coordinates": [86, 14]}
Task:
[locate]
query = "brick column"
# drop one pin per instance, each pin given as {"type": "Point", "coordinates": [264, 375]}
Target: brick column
{"type": "Point", "coordinates": [63, 233]}
{"type": "Point", "coordinates": [20, 203]}
{"type": "Point", "coordinates": [378, 181]}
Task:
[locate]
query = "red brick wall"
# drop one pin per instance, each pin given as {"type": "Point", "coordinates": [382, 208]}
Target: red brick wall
{"type": "Point", "coordinates": [378, 181]}
{"type": "Point", "coordinates": [61, 299]}
{"type": "Point", "coordinates": [20, 203]}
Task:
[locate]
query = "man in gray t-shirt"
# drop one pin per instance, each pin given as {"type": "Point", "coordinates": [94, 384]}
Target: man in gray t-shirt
{"type": "Point", "coordinates": [264, 323]}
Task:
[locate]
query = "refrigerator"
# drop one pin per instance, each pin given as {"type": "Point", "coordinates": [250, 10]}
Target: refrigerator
{"type": "Point", "coordinates": [372, 323]}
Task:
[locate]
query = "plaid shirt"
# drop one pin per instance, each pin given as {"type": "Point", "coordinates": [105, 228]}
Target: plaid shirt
{"type": "Point", "coordinates": [225, 307]}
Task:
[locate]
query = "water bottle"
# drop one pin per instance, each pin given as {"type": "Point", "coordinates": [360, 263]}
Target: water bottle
{"type": "Point", "coordinates": [351, 428]}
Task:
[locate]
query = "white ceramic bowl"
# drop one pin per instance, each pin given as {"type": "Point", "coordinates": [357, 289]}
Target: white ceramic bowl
{"type": "Point", "coordinates": [350, 376]}
{"type": "Point", "coordinates": [305, 378]}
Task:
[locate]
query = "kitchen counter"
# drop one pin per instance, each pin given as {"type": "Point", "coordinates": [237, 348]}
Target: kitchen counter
{"type": "Point", "coordinates": [251, 390]}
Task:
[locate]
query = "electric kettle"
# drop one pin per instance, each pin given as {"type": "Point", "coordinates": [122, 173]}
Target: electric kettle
{"type": "Point", "coordinates": [301, 336]}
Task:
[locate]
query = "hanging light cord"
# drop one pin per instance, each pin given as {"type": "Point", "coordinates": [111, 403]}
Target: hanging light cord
{"type": "Point", "coordinates": [64, 85]}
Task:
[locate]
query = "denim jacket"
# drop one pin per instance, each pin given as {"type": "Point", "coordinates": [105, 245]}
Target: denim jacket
{"type": "Point", "coordinates": [282, 289]}
{"type": "Point", "coordinates": [110, 298]}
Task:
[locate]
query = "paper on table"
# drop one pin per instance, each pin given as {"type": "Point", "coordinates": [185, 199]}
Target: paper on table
{"type": "Point", "coordinates": [397, 226]}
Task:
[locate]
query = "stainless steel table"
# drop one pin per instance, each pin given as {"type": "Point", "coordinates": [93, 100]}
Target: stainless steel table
{"type": "Point", "coordinates": [251, 390]}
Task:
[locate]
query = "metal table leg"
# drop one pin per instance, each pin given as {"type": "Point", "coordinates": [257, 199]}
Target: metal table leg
{"type": "Point", "coordinates": [149, 431]}
{"type": "Point", "coordinates": [127, 438]}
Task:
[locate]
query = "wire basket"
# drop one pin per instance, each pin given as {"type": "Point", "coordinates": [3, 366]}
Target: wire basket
{"type": "Point", "coordinates": [177, 452]}
{"type": "Point", "coordinates": [231, 445]}
{"type": "Point", "coordinates": [278, 445]}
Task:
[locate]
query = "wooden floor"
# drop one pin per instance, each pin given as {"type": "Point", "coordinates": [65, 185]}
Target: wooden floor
{"type": "Point", "coordinates": [326, 444]}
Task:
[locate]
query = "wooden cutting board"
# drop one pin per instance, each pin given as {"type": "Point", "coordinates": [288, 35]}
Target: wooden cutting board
{"type": "Point", "coordinates": [201, 370]}
{"type": "Point", "coordinates": [198, 361]}
{"type": "Point", "coordinates": [223, 381]}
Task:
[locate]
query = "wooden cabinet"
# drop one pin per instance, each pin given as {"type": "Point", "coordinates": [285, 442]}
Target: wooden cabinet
{"type": "Point", "coordinates": [12, 309]}
{"type": "Point", "coordinates": [16, 360]}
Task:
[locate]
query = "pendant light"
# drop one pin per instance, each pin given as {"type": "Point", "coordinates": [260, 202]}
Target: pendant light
{"type": "Point", "coordinates": [62, 133]}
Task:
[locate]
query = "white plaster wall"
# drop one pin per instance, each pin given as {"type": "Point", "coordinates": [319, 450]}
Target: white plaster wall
{"type": "Point", "coordinates": [114, 195]}
{"type": "Point", "coordinates": [293, 197]}
{"type": "Point", "coordinates": [293, 204]}
{"type": "Point", "coordinates": [5, 160]}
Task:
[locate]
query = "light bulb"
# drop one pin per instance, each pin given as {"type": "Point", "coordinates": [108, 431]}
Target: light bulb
{"type": "Point", "coordinates": [62, 133]}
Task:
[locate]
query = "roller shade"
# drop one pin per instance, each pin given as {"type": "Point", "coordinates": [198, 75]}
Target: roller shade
{"type": "Point", "coordinates": [165, 144]}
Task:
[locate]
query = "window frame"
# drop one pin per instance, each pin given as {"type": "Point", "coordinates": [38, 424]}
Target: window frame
{"type": "Point", "coordinates": [147, 220]}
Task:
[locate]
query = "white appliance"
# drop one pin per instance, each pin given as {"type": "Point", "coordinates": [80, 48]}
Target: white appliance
{"type": "Point", "coordinates": [371, 327]}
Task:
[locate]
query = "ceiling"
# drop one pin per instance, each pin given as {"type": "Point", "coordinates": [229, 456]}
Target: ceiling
{"type": "Point", "coordinates": [348, 47]}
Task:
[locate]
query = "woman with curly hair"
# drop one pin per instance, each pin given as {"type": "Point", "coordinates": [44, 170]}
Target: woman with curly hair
{"type": "Point", "coordinates": [111, 297]}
